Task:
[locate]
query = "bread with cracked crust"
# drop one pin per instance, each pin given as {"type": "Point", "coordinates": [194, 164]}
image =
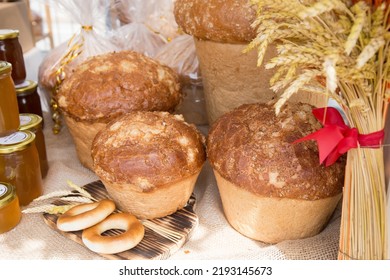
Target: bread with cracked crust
{"type": "Point", "coordinates": [271, 189]}
{"type": "Point", "coordinates": [149, 162]}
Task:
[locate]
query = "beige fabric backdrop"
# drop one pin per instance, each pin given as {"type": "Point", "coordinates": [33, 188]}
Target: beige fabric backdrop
{"type": "Point", "coordinates": [213, 239]}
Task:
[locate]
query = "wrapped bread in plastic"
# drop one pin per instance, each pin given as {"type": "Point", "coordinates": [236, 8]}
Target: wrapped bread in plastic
{"type": "Point", "coordinates": [146, 25]}
{"type": "Point", "coordinates": [90, 40]}
{"type": "Point", "coordinates": [47, 74]}
{"type": "Point", "coordinates": [110, 85]}
{"type": "Point", "coordinates": [157, 15]}
{"type": "Point", "coordinates": [271, 189]}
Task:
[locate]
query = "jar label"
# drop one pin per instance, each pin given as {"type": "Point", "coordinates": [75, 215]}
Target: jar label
{"type": "Point", "coordinates": [14, 138]}
{"type": "Point", "coordinates": [24, 120]}
{"type": "Point", "coordinates": [3, 189]}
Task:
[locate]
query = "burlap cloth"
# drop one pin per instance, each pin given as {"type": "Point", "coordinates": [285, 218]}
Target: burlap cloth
{"type": "Point", "coordinates": [213, 239]}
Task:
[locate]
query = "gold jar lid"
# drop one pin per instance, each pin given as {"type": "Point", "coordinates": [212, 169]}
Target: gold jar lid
{"type": "Point", "coordinates": [27, 87]}
{"type": "Point", "coordinates": [15, 142]}
{"type": "Point", "coordinates": [8, 33]}
{"type": "Point", "coordinates": [5, 67]}
{"type": "Point", "coordinates": [7, 193]}
{"type": "Point", "coordinates": [29, 121]}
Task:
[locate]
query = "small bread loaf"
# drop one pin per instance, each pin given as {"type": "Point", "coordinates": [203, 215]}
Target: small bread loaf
{"type": "Point", "coordinates": [271, 189]}
{"type": "Point", "coordinates": [107, 86]}
{"type": "Point", "coordinates": [149, 162]}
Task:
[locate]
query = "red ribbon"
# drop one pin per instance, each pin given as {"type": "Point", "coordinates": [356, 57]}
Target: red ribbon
{"type": "Point", "coordinates": [336, 138]}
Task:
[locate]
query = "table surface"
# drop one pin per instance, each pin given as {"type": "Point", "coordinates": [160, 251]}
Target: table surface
{"type": "Point", "coordinates": [213, 239]}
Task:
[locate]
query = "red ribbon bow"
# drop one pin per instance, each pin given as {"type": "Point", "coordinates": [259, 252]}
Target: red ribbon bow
{"type": "Point", "coordinates": [336, 138]}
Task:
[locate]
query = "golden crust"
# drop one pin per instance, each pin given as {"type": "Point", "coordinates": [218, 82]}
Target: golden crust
{"type": "Point", "coordinates": [251, 148]}
{"type": "Point", "coordinates": [106, 86]}
{"type": "Point", "coordinates": [227, 21]}
{"type": "Point", "coordinates": [148, 150]}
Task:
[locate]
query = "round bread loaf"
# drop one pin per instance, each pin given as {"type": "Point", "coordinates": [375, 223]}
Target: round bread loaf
{"type": "Point", "coordinates": [222, 30]}
{"type": "Point", "coordinates": [107, 86]}
{"type": "Point", "coordinates": [273, 190]}
{"type": "Point", "coordinates": [149, 162]}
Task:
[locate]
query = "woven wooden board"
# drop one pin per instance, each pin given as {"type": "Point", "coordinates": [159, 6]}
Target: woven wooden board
{"type": "Point", "coordinates": [163, 236]}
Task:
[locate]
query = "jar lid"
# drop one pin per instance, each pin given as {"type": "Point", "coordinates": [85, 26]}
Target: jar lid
{"type": "Point", "coordinates": [28, 121]}
{"type": "Point", "coordinates": [5, 67]}
{"type": "Point", "coordinates": [17, 141]}
{"type": "Point", "coordinates": [28, 87]}
{"type": "Point", "coordinates": [8, 33]}
{"type": "Point", "coordinates": [7, 193]}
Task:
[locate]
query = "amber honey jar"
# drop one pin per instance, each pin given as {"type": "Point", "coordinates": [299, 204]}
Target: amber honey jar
{"type": "Point", "coordinates": [11, 51]}
{"type": "Point", "coordinates": [10, 213]}
{"type": "Point", "coordinates": [19, 165]}
{"type": "Point", "coordinates": [33, 123]}
{"type": "Point", "coordinates": [9, 111]}
{"type": "Point", "coordinates": [29, 100]}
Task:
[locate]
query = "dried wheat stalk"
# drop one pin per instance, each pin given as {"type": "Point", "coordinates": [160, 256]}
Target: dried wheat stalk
{"type": "Point", "coordinates": [341, 49]}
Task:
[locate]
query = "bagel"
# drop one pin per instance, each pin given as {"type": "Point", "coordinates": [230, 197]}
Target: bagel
{"type": "Point", "coordinates": [85, 215]}
{"type": "Point", "coordinates": [134, 233]}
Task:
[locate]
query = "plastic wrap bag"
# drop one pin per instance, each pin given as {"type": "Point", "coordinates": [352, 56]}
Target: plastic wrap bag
{"type": "Point", "coordinates": [180, 55]}
{"type": "Point", "coordinates": [147, 25]}
{"type": "Point", "coordinates": [162, 20]}
{"type": "Point", "coordinates": [91, 39]}
{"type": "Point", "coordinates": [47, 72]}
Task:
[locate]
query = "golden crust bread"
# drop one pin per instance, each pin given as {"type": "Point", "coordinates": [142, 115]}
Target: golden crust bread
{"type": "Point", "coordinates": [231, 78]}
{"type": "Point", "coordinates": [148, 150]}
{"type": "Point", "coordinates": [227, 21]}
{"type": "Point", "coordinates": [109, 85]}
{"type": "Point", "coordinates": [252, 148]}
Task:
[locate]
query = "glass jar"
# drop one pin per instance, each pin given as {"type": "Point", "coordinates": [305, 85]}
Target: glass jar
{"type": "Point", "coordinates": [11, 51]}
{"type": "Point", "coordinates": [29, 100]}
{"type": "Point", "coordinates": [19, 165]}
{"type": "Point", "coordinates": [193, 106]}
{"type": "Point", "coordinates": [33, 123]}
{"type": "Point", "coordinates": [9, 111]}
{"type": "Point", "coordinates": [10, 213]}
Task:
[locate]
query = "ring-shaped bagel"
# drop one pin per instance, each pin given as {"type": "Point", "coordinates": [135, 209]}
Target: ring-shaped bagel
{"type": "Point", "coordinates": [85, 215]}
{"type": "Point", "coordinates": [112, 244]}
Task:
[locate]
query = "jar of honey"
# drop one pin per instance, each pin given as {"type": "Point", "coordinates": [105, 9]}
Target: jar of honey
{"type": "Point", "coordinates": [19, 165]}
{"type": "Point", "coordinates": [9, 111]}
{"type": "Point", "coordinates": [10, 213]}
{"type": "Point", "coordinates": [11, 51]}
{"type": "Point", "coordinates": [33, 123]}
{"type": "Point", "coordinates": [29, 100]}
